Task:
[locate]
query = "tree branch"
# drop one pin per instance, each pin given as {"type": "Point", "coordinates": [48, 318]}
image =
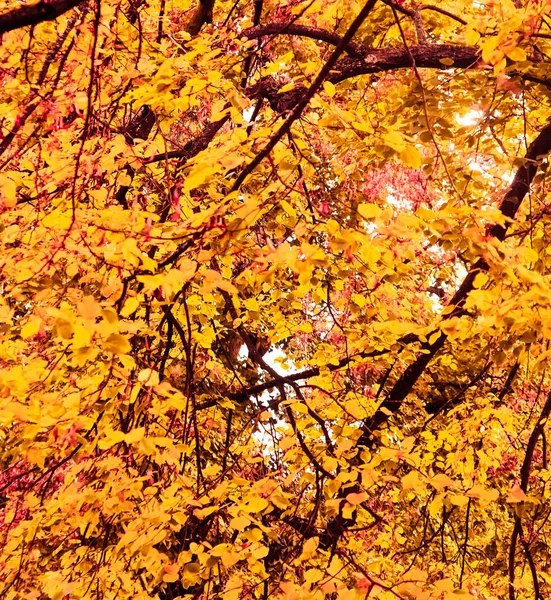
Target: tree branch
{"type": "Point", "coordinates": [194, 146]}
{"type": "Point", "coordinates": [201, 15]}
{"type": "Point", "coordinates": [243, 395]}
{"type": "Point", "coordinates": [35, 13]}
{"type": "Point", "coordinates": [426, 56]}
{"type": "Point", "coordinates": [322, 35]}
{"type": "Point", "coordinates": [442, 12]}
{"type": "Point", "coordinates": [509, 206]}
{"type": "Point", "coordinates": [305, 98]}
{"type": "Point", "coordinates": [524, 480]}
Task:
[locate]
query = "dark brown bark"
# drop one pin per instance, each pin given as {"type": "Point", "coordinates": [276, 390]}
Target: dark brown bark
{"type": "Point", "coordinates": [525, 471]}
{"type": "Point", "coordinates": [371, 61]}
{"type": "Point", "coordinates": [32, 14]}
{"type": "Point", "coordinates": [304, 99]}
{"type": "Point", "coordinates": [139, 127]}
{"type": "Point", "coordinates": [509, 206]}
{"type": "Point", "coordinates": [322, 35]}
{"type": "Point", "coordinates": [201, 15]}
{"type": "Point", "coordinates": [194, 146]}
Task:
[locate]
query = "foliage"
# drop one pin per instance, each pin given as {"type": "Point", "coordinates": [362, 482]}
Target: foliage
{"type": "Point", "coordinates": [276, 299]}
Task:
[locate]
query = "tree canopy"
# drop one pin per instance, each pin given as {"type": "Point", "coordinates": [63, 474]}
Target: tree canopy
{"type": "Point", "coordinates": [276, 299]}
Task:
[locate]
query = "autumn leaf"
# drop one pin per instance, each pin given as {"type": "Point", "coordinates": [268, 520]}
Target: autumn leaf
{"type": "Point", "coordinates": [117, 344]}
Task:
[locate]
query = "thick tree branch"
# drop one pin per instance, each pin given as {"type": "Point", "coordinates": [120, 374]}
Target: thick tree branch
{"type": "Point", "coordinates": [243, 395]}
{"type": "Point", "coordinates": [201, 15]}
{"type": "Point", "coordinates": [32, 14]}
{"type": "Point", "coordinates": [194, 146]}
{"type": "Point", "coordinates": [433, 56]}
{"type": "Point", "coordinates": [525, 471]}
{"type": "Point", "coordinates": [305, 98]}
{"type": "Point", "coordinates": [426, 56]}
{"type": "Point", "coordinates": [509, 206]}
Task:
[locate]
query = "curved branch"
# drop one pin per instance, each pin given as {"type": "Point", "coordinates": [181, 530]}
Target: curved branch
{"type": "Point", "coordinates": [245, 394]}
{"type": "Point", "coordinates": [194, 146]}
{"type": "Point", "coordinates": [314, 33]}
{"type": "Point", "coordinates": [201, 15]}
{"type": "Point", "coordinates": [524, 480]}
{"type": "Point", "coordinates": [426, 56]}
{"type": "Point", "coordinates": [432, 56]}
{"type": "Point", "coordinates": [302, 102]}
{"type": "Point", "coordinates": [35, 13]}
{"type": "Point", "coordinates": [533, 78]}
{"type": "Point", "coordinates": [509, 206]}
{"type": "Point", "coordinates": [442, 12]}
{"type": "Point", "coordinates": [414, 15]}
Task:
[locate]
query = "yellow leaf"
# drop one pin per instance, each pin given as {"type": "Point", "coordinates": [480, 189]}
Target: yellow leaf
{"type": "Point", "coordinates": [64, 328]}
{"type": "Point", "coordinates": [58, 219]}
{"type": "Point", "coordinates": [480, 280]}
{"type": "Point", "coordinates": [89, 309]}
{"type": "Point", "coordinates": [366, 127]}
{"type": "Point", "coordinates": [251, 304]}
{"type": "Point", "coordinates": [130, 306]}
{"type": "Point", "coordinates": [279, 500]}
{"type": "Point", "coordinates": [411, 157]}
{"type": "Point", "coordinates": [355, 408]}
{"type": "Point", "coordinates": [313, 575]}
{"type": "Point", "coordinates": [471, 35]}
{"type": "Point", "coordinates": [441, 481]}
{"type": "Point", "coordinates": [516, 495]}
{"type": "Point", "coordinates": [411, 481]}
{"type": "Point", "coordinates": [148, 377]}
{"type": "Point", "coordinates": [360, 300]}
{"type": "Point", "coordinates": [356, 499]}
{"type": "Point", "coordinates": [369, 211]}
{"type": "Point", "coordinates": [239, 523]}
{"type": "Point", "coordinates": [151, 282]}
{"type": "Point", "coordinates": [530, 255]}
{"type": "Point", "coordinates": [111, 438]}
{"type": "Point", "coordinates": [200, 174]}
{"type": "Point", "coordinates": [459, 595]}
{"type": "Point", "coordinates": [109, 314]}
{"type": "Point", "coordinates": [444, 585]}
{"type": "Point", "coordinates": [135, 435]}
{"type": "Point", "coordinates": [260, 552]}
{"type": "Point", "coordinates": [253, 535]}
{"type": "Point", "coordinates": [369, 254]}
{"type": "Point", "coordinates": [32, 327]}
{"type": "Point", "coordinates": [81, 337]}
{"type": "Point", "coordinates": [459, 500]}
{"type": "Point", "coordinates": [394, 140]}
{"type": "Point", "coordinates": [256, 504]}
{"type": "Point", "coordinates": [517, 54]}
{"type": "Point", "coordinates": [310, 546]}
{"type": "Point", "coordinates": [117, 344]}
{"type": "Point", "coordinates": [329, 88]}
{"type": "Point", "coordinates": [171, 573]}
{"type": "Point", "coordinates": [287, 87]}
{"type": "Point", "coordinates": [8, 191]}
{"type": "Point", "coordinates": [479, 492]}
{"type": "Point", "coordinates": [288, 208]}
{"type": "Point", "coordinates": [125, 179]}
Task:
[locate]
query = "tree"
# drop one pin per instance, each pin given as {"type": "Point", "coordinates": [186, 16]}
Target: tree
{"type": "Point", "coordinates": [275, 299]}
